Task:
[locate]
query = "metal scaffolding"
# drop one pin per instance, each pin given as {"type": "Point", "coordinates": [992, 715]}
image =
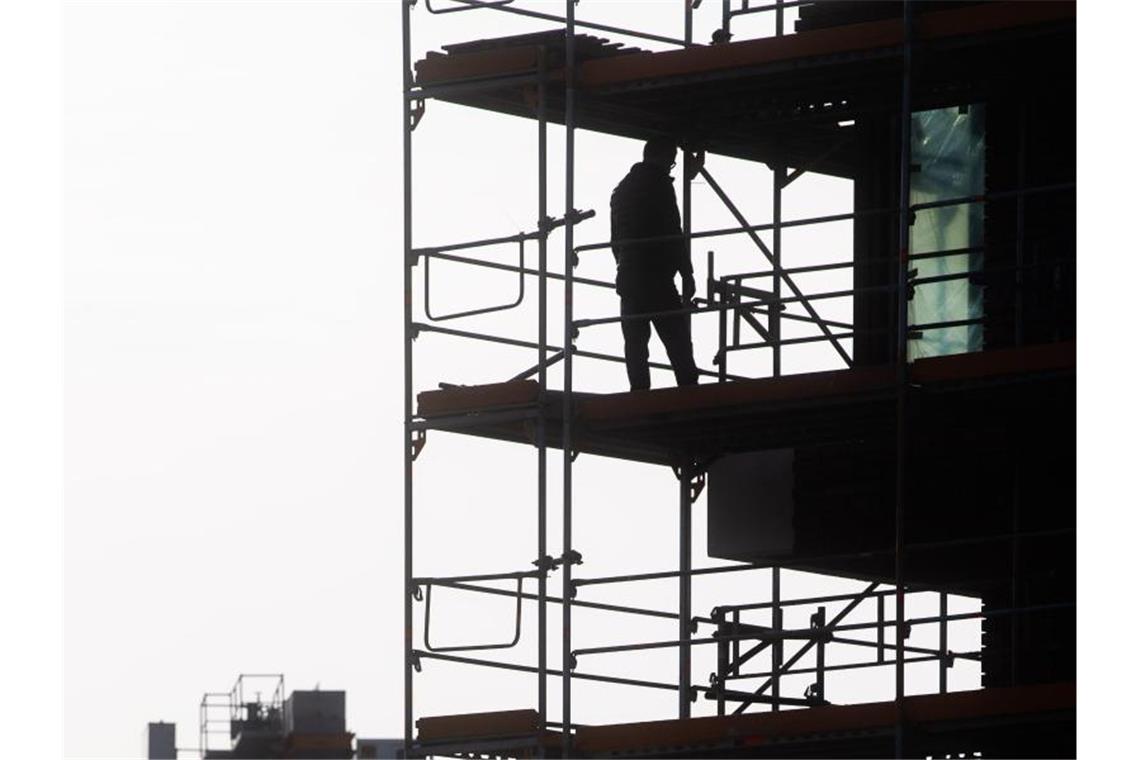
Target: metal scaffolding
{"type": "Point", "coordinates": [226, 713]}
{"type": "Point", "coordinates": [738, 306]}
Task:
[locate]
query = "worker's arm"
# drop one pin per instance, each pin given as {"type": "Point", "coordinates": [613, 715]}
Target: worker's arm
{"type": "Point", "coordinates": [680, 248]}
{"type": "Point", "coordinates": [616, 230]}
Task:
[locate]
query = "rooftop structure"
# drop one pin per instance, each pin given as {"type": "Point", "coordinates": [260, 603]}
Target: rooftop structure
{"type": "Point", "coordinates": [939, 460]}
{"type": "Point", "coordinates": [255, 719]}
{"type": "Point", "coordinates": [258, 720]}
{"type": "Point", "coordinates": [160, 741]}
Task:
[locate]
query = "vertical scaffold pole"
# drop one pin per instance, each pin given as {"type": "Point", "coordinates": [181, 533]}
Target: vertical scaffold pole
{"type": "Point", "coordinates": [881, 631]}
{"type": "Point", "coordinates": [901, 370]}
{"type": "Point", "coordinates": [685, 589]}
{"type": "Point", "coordinates": [721, 660]}
{"type": "Point", "coordinates": [943, 643]}
{"type": "Point", "coordinates": [685, 563]}
{"type": "Point", "coordinates": [779, 172]}
{"type": "Point", "coordinates": [1019, 272]}
{"type": "Point", "coordinates": [540, 434]}
{"type": "Point", "coordinates": [685, 530]}
{"type": "Point", "coordinates": [821, 656]}
{"type": "Point", "coordinates": [688, 22]}
{"type": "Point", "coordinates": [568, 384]}
{"type": "Point", "coordinates": [686, 173]}
{"type": "Point", "coordinates": [1014, 574]}
{"type": "Point", "coordinates": [405, 112]}
{"type": "Point", "coordinates": [778, 644]}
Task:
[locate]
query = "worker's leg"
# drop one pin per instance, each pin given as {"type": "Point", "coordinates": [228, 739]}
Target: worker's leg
{"type": "Point", "coordinates": [636, 334]}
{"type": "Point", "coordinates": [675, 333]}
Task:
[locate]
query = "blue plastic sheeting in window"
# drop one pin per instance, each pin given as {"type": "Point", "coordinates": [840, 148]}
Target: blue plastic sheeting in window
{"type": "Point", "coordinates": [948, 158]}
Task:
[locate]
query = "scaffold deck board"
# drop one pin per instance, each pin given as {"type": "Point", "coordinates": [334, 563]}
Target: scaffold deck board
{"type": "Point", "coordinates": [666, 425]}
{"type": "Point", "coordinates": [948, 717]}
{"type": "Point", "coordinates": [780, 728]}
{"type": "Point", "coordinates": [777, 98]}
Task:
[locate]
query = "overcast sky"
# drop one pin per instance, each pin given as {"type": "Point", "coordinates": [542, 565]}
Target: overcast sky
{"type": "Point", "coordinates": [232, 382]}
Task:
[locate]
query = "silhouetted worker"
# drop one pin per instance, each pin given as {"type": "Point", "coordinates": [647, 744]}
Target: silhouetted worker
{"type": "Point", "coordinates": [644, 205]}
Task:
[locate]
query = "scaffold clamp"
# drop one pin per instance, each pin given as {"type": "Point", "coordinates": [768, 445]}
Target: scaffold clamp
{"type": "Point", "coordinates": [696, 479]}
{"type": "Point", "coordinates": [419, 439]}
{"type": "Point", "coordinates": [696, 487]}
{"type": "Point", "coordinates": [819, 623]}
{"type": "Point", "coordinates": [545, 564]}
{"type": "Point", "coordinates": [580, 215]}
{"type": "Point", "coordinates": [571, 557]}
{"type": "Point", "coordinates": [415, 113]}
{"type": "Point", "coordinates": [548, 563]}
{"type": "Point", "coordinates": [547, 224]}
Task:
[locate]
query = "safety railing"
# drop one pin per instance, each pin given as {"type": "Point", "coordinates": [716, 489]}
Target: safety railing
{"type": "Point", "coordinates": [747, 8]}
{"type": "Point", "coordinates": [739, 642]}
{"type": "Point", "coordinates": [728, 12]}
{"type": "Point", "coordinates": [733, 301]}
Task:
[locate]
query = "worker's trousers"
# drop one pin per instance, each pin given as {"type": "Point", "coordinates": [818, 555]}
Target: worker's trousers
{"type": "Point", "coordinates": [673, 330]}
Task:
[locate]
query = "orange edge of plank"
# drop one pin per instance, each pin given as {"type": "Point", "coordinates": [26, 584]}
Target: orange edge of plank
{"type": "Point", "coordinates": [840, 39]}
{"type": "Point", "coordinates": [813, 385]}
{"type": "Point", "coordinates": [759, 728]}
{"type": "Point", "coordinates": [707, 58]}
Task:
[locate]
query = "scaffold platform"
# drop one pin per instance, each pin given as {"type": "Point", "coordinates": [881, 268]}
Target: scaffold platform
{"type": "Point", "coordinates": [1004, 722]}
{"type": "Point", "coordinates": [667, 425]}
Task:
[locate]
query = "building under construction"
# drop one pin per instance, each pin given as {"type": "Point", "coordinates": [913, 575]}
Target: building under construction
{"type": "Point", "coordinates": [257, 718]}
{"type": "Point", "coordinates": [941, 459]}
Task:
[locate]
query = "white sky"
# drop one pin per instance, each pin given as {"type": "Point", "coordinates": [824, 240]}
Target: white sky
{"type": "Point", "coordinates": [232, 377]}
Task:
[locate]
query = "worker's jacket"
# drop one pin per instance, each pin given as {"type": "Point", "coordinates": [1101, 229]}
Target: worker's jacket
{"type": "Point", "coordinates": [644, 205]}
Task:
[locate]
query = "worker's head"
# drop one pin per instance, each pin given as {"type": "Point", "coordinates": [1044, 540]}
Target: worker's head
{"type": "Point", "coordinates": [661, 151]}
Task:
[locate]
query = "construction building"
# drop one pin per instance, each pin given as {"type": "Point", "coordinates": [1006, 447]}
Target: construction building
{"type": "Point", "coordinates": [940, 460]}
{"type": "Point", "coordinates": [256, 719]}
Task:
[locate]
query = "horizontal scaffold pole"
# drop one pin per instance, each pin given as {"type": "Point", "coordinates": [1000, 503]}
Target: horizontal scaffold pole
{"type": "Point", "coordinates": [421, 327]}
{"type": "Point", "coordinates": [552, 673]}
{"type": "Point", "coordinates": [506, 8]}
{"type": "Point", "coordinates": [827, 218]}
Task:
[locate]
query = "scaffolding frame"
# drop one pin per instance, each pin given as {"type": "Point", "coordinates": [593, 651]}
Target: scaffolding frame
{"type": "Point", "coordinates": [236, 707]}
{"type": "Point", "coordinates": [728, 296]}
